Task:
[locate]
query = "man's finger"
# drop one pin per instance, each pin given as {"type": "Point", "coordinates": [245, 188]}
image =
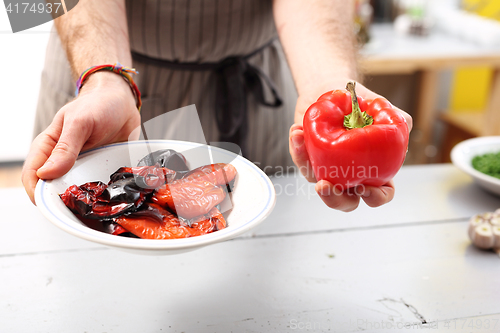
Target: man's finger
{"type": "Point", "coordinates": [299, 153]}
{"type": "Point", "coordinates": [335, 198]}
{"type": "Point", "coordinates": [63, 156]}
{"type": "Point", "coordinates": [376, 196]}
{"type": "Point", "coordinates": [40, 150]}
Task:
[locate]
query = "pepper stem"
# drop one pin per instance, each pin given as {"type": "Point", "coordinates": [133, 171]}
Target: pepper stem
{"type": "Point", "coordinates": [356, 119]}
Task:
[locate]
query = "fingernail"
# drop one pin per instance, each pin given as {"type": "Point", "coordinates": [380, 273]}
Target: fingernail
{"type": "Point", "coordinates": [48, 164]}
{"type": "Point", "coordinates": [366, 193]}
{"type": "Point", "coordinates": [297, 140]}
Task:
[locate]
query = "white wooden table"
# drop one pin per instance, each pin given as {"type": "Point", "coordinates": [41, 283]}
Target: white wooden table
{"type": "Point", "coordinates": [405, 266]}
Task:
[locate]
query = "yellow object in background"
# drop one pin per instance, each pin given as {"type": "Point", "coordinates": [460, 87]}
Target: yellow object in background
{"type": "Point", "coordinates": [470, 89]}
{"type": "Point", "coordinates": [471, 86]}
{"type": "Point", "coordinates": [486, 8]}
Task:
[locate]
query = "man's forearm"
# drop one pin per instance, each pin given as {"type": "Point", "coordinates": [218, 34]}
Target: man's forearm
{"type": "Point", "coordinates": [318, 39]}
{"type": "Point", "coordinates": [95, 33]}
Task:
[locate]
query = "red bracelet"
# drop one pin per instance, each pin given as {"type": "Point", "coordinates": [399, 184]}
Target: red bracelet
{"type": "Point", "coordinates": [118, 69]}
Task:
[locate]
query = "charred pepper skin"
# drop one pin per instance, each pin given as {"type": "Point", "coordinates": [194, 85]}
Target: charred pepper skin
{"type": "Point", "coordinates": [127, 189]}
{"type": "Point", "coordinates": [166, 158]}
{"type": "Point", "coordinates": [149, 176]}
{"type": "Point", "coordinates": [97, 200]}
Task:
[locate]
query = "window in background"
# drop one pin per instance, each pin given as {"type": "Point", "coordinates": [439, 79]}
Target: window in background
{"type": "Point", "coordinates": [22, 58]}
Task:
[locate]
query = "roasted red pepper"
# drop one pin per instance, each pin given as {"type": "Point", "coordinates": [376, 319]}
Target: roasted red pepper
{"type": "Point", "coordinates": [351, 141]}
{"type": "Point", "coordinates": [198, 192]}
{"type": "Point", "coordinates": [126, 191]}
{"type": "Point", "coordinates": [144, 201]}
{"type": "Point", "coordinates": [219, 173]}
{"type": "Point", "coordinates": [155, 222]}
{"type": "Point", "coordinates": [152, 176]}
{"type": "Point", "coordinates": [189, 199]}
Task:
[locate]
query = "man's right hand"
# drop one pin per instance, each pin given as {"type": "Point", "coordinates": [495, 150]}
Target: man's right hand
{"type": "Point", "coordinates": [104, 112]}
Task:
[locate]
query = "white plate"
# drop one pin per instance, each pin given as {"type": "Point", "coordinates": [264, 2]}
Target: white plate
{"type": "Point", "coordinates": [463, 153]}
{"type": "Point", "coordinates": [253, 198]}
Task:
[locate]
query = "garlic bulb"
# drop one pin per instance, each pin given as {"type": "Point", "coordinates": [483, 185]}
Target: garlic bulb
{"type": "Point", "coordinates": [484, 230]}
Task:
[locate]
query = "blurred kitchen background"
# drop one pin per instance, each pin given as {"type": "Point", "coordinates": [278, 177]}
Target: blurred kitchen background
{"type": "Point", "coordinates": [438, 60]}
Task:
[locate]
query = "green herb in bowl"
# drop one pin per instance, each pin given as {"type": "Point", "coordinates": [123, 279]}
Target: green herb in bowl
{"type": "Point", "coordinates": [488, 164]}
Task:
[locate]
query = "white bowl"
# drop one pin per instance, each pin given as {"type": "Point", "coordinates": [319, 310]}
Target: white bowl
{"type": "Point", "coordinates": [253, 197]}
{"type": "Point", "coordinates": [463, 153]}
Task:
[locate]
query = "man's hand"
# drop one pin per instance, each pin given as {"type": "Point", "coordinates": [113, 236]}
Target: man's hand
{"type": "Point", "coordinates": [93, 33]}
{"type": "Point", "coordinates": [104, 112]}
{"type": "Point", "coordinates": [346, 201]}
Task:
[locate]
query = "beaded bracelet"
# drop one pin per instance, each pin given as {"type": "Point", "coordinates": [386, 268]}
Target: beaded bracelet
{"type": "Point", "coordinates": [118, 69]}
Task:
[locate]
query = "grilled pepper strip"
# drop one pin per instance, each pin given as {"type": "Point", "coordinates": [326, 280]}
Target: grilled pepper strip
{"type": "Point", "coordinates": [198, 192]}
{"type": "Point", "coordinates": [155, 222]}
{"type": "Point", "coordinates": [189, 199]}
{"type": "Point", "coordinates": [218, 174]}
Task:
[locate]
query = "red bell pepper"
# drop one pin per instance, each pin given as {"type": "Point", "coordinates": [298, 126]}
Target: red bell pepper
{"type": "Point", "coordinates": [351, 141]}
